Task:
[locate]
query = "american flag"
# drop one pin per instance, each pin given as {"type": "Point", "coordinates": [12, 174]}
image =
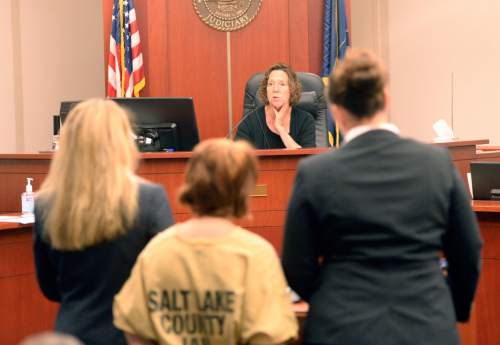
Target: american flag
{"type": "Point", "coordinates": [125, 69]}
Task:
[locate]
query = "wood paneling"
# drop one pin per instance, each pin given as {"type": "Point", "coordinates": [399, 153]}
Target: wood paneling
{"type": "Point", "coordinates": [197, 66]}
{"type": "Point", "coordinates": [277, 170]}
{"type": "Point", "coordinates": [16, 186]}
{"type": "Point", "coordinates": [184, 57]}
{"type": "Point", "coordinates": [272, 234]}
{"type": "Point", "coordinates": [16, 256]}
{"type": "Point", "coordinates": [155, 43]}
{"type": "Point", "coordinates": [298, 32]}
{"type": "Point", "coordinates": [253, 49]}
{"type": "Point", "coordinates": [14, 172]}
{"type": "Point", "coordinates": [468, 331]}
{"type": "Point", "coordinates": [488, 300]}
{"type": "Point", "coordinates": [29, 312]}
{"type": "Point", "coordinates": [490, 232]}
{"type": "Point", "coordinates": [488, 294]}
{"type": "Point", "coordinates": [23, 309]}
{"type": "Point", "coordinates": [316, 17]}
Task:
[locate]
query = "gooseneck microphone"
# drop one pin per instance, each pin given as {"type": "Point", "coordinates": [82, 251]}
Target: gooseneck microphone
{"type": "Point", "coordinates": [261, 128]}
{"type": "Point", "coordinates": [247, 115]}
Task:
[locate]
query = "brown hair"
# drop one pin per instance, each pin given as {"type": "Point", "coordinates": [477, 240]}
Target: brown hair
{"type": "Point", "coordinates": [293, 82]}
{"type": "Point", "coordinates": [219, 178]}
{"type": "Point", "coordinates": [357, 84]}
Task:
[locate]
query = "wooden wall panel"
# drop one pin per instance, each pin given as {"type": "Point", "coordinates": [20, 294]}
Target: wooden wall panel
{"type": "Point", "coordinates": [488, 301]}
{"type": "Point", "coordinates": [197, 65]}
{"type": "Point", "coordinates": [25, 310]}
{"type": "Point", "coordinates": [253, 49]}
{"type": "Point", "coordinates": [185, 57]}
{"type": "Point", "coordinates": [153, 17]}
{"type": "Point", "coordinates": [316, 14]}
{"type": "Point", "coordinates": [182, 57]}
{"type": "Point", "coordinates": [298, 31]}
{"type": "Point", "coordinates": [107, 9]}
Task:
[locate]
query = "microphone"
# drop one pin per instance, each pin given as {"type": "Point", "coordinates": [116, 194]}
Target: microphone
{"type": "Point", "coordinates": [261, 127]}
{"type": "Point", "coordinates": [230, 134]}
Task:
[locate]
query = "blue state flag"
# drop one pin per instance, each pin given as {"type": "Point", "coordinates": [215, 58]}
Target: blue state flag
{"type": "Point", "coordinates": [335, 44]}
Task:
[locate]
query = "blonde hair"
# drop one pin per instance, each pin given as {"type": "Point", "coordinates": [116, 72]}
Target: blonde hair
{"type": "Point", "coordinates": [91, 188]}
{"type": "Point", "coordinates": [219, 178]}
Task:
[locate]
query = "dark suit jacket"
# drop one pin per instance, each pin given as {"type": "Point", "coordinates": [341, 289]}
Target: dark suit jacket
{"type": "Point", "coordinates": [378, 212]}
{"type": "Point", "coordinates": [85, 282]}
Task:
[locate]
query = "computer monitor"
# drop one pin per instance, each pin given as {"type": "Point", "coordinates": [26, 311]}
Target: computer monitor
{"type": "Point", "coordinates": [161, 124]}
{"type": "Point", "coordinates": [65, 108]}
{"type": "Point", "coordinates": [485, 178]}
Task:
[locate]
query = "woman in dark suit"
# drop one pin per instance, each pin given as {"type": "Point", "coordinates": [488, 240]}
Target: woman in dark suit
{"type": "Point", "coordinates": [93, 216]}
{"type": "Point", "coordinates": [366, 225]}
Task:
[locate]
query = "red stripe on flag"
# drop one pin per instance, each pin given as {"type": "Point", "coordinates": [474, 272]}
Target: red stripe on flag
{"type": "Point", "coordinates": [133, 27]}
{"type": "Point", "coordinates": [138, 75]}
{"type": "Point", "coordinates": [136, 51]}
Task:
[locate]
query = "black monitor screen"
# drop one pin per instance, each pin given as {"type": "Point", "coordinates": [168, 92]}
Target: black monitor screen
{"type": "Point", "coordinates": [66, 107]}
{"type": "Point", "coordinates": [162, 124]}
{"type": "Point", "coordinates": [485, 178]}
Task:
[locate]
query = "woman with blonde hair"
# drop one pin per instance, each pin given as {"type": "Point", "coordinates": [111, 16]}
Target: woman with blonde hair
{"type": "Point", "coordinates": [93, 216]}
{"type": "Point", "coordinates": [224, 284]}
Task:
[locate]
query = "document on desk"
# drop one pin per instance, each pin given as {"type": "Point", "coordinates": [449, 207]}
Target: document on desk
{"type": "Point", "coordinates": [469, 182]}
{"type": "Point", "coordinates": [26, 219]}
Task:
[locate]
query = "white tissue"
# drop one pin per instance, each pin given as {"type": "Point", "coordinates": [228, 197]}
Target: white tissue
{"type": "Point", "coordinates": [443, 131]}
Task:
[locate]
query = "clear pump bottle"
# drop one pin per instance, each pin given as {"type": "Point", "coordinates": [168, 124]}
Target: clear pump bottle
{"type": "Point", "coordinates": [28, 198]}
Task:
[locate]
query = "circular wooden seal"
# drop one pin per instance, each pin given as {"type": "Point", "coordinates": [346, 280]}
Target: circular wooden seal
{"type": "Point", "coordinates": [227, 15]}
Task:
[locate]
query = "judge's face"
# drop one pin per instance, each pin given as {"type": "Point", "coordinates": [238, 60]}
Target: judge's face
{"type": "Point", "coordinates": [278, 89]}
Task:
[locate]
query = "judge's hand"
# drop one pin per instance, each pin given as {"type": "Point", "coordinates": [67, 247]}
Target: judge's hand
{"type": "Point", "coordinates": [280, 116]}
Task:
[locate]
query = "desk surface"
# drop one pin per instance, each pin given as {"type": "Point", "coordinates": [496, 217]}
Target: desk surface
{"type": "Point", "coordinates": [6, 226]}
{"type": "Point", "coordinates": [492, 206]}
{"type": "Point", "coordinates": [13, 226]}
{"type": "Point", "coordinates": [162, 155]}
{"type": "Point", "coordinates": [486, 206]}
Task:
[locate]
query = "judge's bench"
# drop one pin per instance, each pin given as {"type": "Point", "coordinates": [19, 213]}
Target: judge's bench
{"type": "Point", "coordinates": [24, 310]}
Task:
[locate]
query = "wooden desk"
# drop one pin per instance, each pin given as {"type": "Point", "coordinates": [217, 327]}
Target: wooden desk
{"type": "Point", "coordinates": [23, 310]}
{"type": "Point", "coordinates": [463, 152]}
{"type": "Point", "coordinates": [276, 174]}
{"type": "Point", "coordinates": [487, 305]}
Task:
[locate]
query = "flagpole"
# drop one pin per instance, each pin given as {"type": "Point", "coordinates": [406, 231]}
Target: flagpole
{"type": "Point", "coordinates": [452, 99]}
{"type": "Point", "coordinates": [229, 83]}
{"type": "Point", "coordinates": [122, 50]}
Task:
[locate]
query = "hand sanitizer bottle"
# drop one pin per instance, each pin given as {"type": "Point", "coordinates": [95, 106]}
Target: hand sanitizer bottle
{"type": "Point", "coordinates": [28, 199]}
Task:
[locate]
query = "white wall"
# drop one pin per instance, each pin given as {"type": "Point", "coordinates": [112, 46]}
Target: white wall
{"type": "Point", "coordinates": [477, 76]}
{"type": "Point", "coordinates": [444, 62]}
{"type": "Point", "coordinates": [7, 112]}
{"type": "Point", "coordinates": [57, 54]}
